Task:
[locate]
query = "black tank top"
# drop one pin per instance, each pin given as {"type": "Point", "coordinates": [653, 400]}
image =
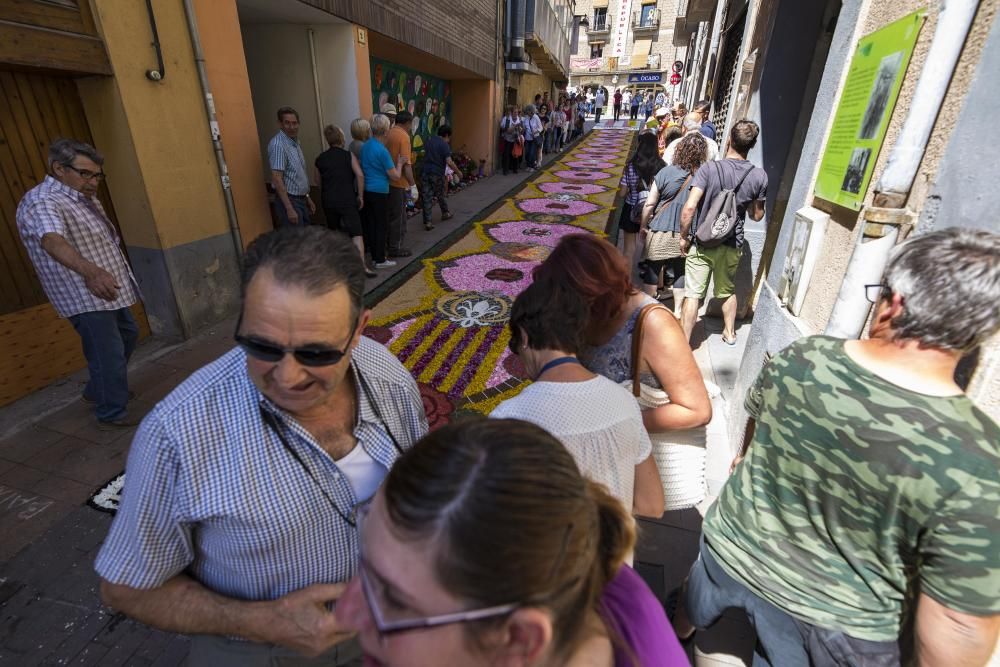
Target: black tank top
{"type": "Point", "coordinates": [336, 178]}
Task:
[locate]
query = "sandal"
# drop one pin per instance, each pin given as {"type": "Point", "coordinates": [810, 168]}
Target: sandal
{"type": "Point", "coordinates": [727, 341]}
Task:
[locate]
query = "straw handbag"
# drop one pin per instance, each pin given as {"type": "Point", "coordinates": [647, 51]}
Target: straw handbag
{"type": "Point", "coordinates": [679, 455]}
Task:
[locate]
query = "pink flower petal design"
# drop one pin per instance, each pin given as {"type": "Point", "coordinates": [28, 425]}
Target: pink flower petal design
{"type": "Point", "coordinates": [526, 231]}
{"type": "Point", "coordinates": [590, 164]}
{"type": "Point", "coordinates": [558, 187]}
{"type": "Point", "coordinates": [558, 207]}
{"type": "Point", "coordinates": [582, 175]}
{"type": "Point", "coordinates": [469, 274]}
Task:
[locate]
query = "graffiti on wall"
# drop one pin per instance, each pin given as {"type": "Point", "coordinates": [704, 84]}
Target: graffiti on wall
{"type": "Point", "coordinates": [427, 97]}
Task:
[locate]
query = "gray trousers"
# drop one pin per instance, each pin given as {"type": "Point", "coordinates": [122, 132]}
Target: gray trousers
{"type": "Point", "coordinates": [210, 651]}
{"type": "Point", "coordinates": [397, 219]}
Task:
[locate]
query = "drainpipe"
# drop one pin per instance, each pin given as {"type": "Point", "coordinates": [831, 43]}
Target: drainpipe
{"type": "Point", "coordinates": [713, 49]}
{"type": "Point", "coordinates": [517, 36]}
{"type": "Point", "coordinates": [889, 218]}
{"type": "Point", "coordinates": [213, 124]}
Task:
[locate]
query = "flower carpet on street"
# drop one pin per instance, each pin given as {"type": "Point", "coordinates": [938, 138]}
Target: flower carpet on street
{"type": "Point", "coordinates": [448, 323]}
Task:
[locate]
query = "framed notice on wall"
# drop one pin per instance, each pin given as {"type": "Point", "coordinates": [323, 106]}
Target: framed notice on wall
{"type": "Point", "coordinates": [873, 82]}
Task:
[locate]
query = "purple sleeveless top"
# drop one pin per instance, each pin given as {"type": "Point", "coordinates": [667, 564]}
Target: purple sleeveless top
{"type": "Point", "coordinates": [636, 617]}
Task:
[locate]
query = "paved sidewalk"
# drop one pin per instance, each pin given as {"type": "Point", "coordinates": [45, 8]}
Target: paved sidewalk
{"type": "Point", "coordinates": [53, 458]}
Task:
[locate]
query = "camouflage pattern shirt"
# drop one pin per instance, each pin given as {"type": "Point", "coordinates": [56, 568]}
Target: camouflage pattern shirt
{"type": "Point", "coordinates": [852, 489]}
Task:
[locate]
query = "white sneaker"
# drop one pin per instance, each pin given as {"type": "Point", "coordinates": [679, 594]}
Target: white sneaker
{"type": "Point", "coordinates": [385, 265]}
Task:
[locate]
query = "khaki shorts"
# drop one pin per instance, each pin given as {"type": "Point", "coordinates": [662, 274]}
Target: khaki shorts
{"type": "Point", "coordinates": [704, 263]}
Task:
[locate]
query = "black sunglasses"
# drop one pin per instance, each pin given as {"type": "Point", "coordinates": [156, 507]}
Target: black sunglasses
{"type": "Point", "coordinates": [307, 356]}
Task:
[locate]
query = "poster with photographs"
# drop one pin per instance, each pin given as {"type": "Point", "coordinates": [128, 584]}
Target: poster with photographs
{"type": "Point", "coordinates": [874, 79]}
{"type": "Point", "coordinates": [427, 97]}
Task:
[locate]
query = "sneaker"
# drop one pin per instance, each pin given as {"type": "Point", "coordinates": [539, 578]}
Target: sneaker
{"type": "Point", "coordinates": [88, 399]}
{"type": "Point", "coordinates": [370, 273]}
{"type": "Point", "coordinates": [385, 265]}
{"type": "Point", "coordinates": [428, 226]}
{"type": "Point", "coordinates": [402, 252]}
{"type": "Point", "coordinates": [120, 424]}
{"type": "Point", "coordinates": [448, 216]}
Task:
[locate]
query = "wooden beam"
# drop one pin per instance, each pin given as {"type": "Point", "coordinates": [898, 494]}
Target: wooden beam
{"type": "Point", "coordinates": [43, 48]}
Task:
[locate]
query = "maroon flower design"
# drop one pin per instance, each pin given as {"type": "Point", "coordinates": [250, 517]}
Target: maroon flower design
{"type": "Point", "coordinates": [437, 407]}
{"type": "Point", "coordinates": [512, 364]}
{"type": "Point", "coordinates": [379, 334]}
{"type": "Point", "coordinates": [506, 275]}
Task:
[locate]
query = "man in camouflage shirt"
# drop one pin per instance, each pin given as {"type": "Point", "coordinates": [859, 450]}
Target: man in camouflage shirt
{"type": "Point", "coordinates": [870, 490]}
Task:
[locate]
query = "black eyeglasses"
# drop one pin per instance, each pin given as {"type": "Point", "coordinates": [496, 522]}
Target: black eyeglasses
{"type": "Point", "coordinates": [875, 291]}
{"type": "Point", "coordinates": [86, 174]}
{"type": "Point", "coordinates": [311, 355]}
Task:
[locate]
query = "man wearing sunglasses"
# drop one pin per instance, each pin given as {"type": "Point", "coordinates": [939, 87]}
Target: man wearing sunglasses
{"type": "Point", "coordinates": [78, 259]}
{"type": "Point", "coordinates": [237, 523]}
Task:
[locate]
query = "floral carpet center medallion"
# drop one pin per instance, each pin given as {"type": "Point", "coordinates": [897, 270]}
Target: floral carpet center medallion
{"type": "Point", "coordinates": [448, 323]}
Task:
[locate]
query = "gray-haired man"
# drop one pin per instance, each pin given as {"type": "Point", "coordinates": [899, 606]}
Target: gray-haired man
{"type": "Point", "coordinates": [869, 494]}
{"type": "Point", "coordinates": [237, 518]}
{"type": "Point", "coordinates": [78, 258]}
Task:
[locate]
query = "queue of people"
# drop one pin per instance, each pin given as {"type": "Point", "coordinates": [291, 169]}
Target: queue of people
{"type": "Point", "coordinates": [527, 134]}
{"type": "Point", "coordinates": [364, 185]}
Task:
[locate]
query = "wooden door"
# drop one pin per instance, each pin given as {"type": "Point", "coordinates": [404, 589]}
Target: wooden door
{"type": "Point", "coordinates": [39, 347]}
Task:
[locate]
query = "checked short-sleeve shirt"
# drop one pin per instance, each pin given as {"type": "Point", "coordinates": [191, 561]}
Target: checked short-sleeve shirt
{"type": "Point", "coordinates": [212, 491]}
{"type": "Point", "coordinates": [284, 154]}
{"type": "Point", "coordinates": [52, 207]}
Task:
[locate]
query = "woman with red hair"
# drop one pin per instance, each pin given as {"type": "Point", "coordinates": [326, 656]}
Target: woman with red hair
{"type": "Point", "coordinates": [593, 268]}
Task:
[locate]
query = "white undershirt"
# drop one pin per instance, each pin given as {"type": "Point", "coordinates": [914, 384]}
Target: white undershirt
{"type": "Point", "coordinates": [364, 473]}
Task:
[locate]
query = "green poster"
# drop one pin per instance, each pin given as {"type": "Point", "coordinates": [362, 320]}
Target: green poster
{"type": "Point", "coordinates": [427, 97]}
{"type": "Point", "coordinates": [873, 83]}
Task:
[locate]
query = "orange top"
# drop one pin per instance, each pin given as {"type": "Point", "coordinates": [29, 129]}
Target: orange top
{"type": "Point", "coordinates": [398, 143]}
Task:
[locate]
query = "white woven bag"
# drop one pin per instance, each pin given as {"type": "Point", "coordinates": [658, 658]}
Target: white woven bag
{"type": "Point", "coordinates": [679, 455]}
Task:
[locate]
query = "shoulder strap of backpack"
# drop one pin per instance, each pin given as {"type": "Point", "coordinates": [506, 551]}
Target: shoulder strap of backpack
{"type": "Point", "coordinates": [747, 173]}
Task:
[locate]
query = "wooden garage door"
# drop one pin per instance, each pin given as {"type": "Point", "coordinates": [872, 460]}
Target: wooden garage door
{"type": "Point", "coordinates": [39, 347]}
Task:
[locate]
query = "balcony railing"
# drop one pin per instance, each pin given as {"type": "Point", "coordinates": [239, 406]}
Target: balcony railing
{"type": "Point", "coordinates": [600, 25]}
{"type": "Point", "coordinates": [580, 64]}
{"type": "Point", "coordinates": [651, 20]}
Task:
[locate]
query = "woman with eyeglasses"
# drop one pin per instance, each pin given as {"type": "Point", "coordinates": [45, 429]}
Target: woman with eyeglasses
{"type": "Point", "coordinates": [485, 546]}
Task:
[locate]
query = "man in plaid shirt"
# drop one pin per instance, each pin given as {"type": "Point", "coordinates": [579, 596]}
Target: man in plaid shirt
{"type": "Point", "coordinates": [78, 258]}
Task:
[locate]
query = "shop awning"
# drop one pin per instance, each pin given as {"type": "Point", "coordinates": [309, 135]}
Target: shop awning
{"type": "Point", "coordinates": [597, 4]}
{"type": "Point", "coordinates": [640, 52]}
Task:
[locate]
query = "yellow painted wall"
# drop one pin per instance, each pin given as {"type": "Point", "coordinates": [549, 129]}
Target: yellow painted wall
{"type": "Point", "coordinates": [218, 25]}
{"type": "Point", "coordinates": [164, 121]}
{"type": "Point", "coordinates": [362, 59]}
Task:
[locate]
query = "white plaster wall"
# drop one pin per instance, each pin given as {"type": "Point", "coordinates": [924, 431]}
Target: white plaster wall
{"type": "Point", "coordinates": [338, 85]}
{"type": "Point", "coordinates": [280, 70]}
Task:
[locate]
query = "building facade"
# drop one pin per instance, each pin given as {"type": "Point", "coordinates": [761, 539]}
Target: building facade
{"type": "Point", "coordinates": [840, 197]}
{"type": "Point", "coordinates": [187, 177]}
{"type": "Point", "coordinates": [537, 37]}
{"type": "Point", "coordinates": [627, 45]}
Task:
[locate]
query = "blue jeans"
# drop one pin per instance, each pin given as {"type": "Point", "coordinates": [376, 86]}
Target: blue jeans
{"type": "Point", "coordinates": [109, 337]}
{"type": "Point", "coordinates": [529, 152]}
{"type": "Point", "coordinates": [300, 205]}
{"type": "Point", "coordinates": [781, 638]}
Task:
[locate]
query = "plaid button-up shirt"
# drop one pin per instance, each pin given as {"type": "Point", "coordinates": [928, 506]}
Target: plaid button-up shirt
{"type": "Point", "coordinates": [212, 490]}
{"type": "Point", "coordinates": [53, 207]}
{"type": "Point", "coordinates": [284, 154]}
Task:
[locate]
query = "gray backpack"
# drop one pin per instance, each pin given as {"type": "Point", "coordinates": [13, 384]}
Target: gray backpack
{"type": "Point", "coordinates": [720, 221]}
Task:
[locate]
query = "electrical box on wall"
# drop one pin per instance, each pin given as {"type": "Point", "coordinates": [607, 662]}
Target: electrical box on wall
{"type": "Point", "coordinates": [803, 252]}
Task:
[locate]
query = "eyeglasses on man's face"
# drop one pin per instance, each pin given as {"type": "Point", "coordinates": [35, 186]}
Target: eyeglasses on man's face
{"type": "Point", "coordinates": [876, 291]}
{"type": "Point", "coordinates": [310, 355]}
{"type": "Point", "coordinates": [86, 174]}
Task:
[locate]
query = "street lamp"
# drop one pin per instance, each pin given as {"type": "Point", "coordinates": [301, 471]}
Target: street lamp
{"type": "Point", "coordinates": [584, 22]}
